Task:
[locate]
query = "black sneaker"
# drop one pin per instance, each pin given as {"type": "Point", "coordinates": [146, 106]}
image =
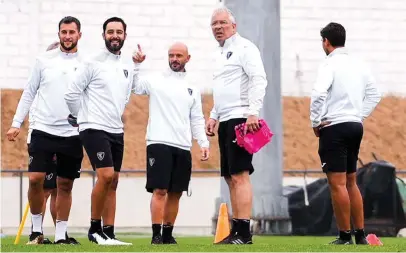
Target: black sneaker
{"type": "Point", "coordinates": [226, 240]}
{"type": "Point", "coordinates": [340, 241]}
{"type": "Point", "coordinates": [99, 238]}
{"type": "Point", "coordinates": [170, 240]}
{"type": "Point", "coordinates": [36, 238]}
{"type": "Point", "coordinates": [238, 239]}
{"type": "Point", "coordinates": [63, 241]}
{"type": "Point", "coordinates": [361, 240]}
{"type": "Point", "coordinates": [46, 241]}
{"type": "Point", "coordinates": [71, 239]}
{"type": "Point", "coordinates": [157, 239]}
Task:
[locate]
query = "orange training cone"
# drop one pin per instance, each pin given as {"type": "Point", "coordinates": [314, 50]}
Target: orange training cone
{"type": "Point", "coordinates": [223, 224]}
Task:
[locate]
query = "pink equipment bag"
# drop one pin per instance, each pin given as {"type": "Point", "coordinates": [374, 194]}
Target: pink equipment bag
{"type": "Point", "coordinates": [253, 142]}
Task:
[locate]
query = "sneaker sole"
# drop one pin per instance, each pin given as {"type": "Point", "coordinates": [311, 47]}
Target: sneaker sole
{"type": "Point", "coordinates": [38, 240]}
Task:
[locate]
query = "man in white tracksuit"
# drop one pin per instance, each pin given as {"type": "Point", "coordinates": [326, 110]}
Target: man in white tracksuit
{"type": "Point", "coordinates": [51, 132]}
{"type": "Point", "coordinates": [239, 84]}
{"type": "Point", "coordinates": [175, 117]}
{"type": "Point", "coordinates": [96, 100]}
{"type": "Point", "coordinates": [344, 95]}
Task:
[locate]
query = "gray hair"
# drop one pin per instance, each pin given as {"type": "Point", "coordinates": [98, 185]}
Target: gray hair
{"type": "Point", "coordinates": [227, 10]}
{"type": "Point", "coordinates": [53, 46]}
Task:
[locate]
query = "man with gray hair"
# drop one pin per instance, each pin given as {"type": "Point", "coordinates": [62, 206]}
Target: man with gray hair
{"type": "Point", "coordinates": [238, 92]}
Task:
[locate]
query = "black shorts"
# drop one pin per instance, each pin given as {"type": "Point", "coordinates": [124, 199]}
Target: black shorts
{"type": "Point", "coordinates": [50, 176]}
{"type": "Point", "coordinates": [103, 149]}
{"type": "Point", "coordinates": [168, 168]}
{"type": "Point", "coordinates": [233, 158]}
{"type": "Point", "coordinates": [43, 147]}
{"type": "Point", "coordinates": [339, 147]}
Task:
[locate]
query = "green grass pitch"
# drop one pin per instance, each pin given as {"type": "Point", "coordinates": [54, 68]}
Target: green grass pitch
{"type": "Point", "coordinates": [205, 244]}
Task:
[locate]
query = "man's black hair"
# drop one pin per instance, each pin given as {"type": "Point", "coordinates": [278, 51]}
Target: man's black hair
{"type": "Point", "coordinates": [114, 19]}
{"type": "Point", "coordinates": [69, 20]}
{"type": "Point", "coordinates": [335, 33]}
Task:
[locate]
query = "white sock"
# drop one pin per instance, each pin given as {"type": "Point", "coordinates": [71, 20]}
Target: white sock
{"type": "Point", "coordinates": [60, 231]}
{"type": "Point", "coordinates": [36, 220]}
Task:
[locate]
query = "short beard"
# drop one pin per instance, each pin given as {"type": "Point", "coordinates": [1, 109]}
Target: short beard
{"type": "Point", "coordinates": [180, 68]}
{"type": "Point", "coordinates": [68, 48]}
{"type": "Point", "coordinates": [114, 49]}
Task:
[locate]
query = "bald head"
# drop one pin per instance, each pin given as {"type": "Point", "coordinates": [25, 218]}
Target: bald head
{"type": "Point", "coordinates": [179, 47]}
{"type": "Point", "coordinates": [178, 56]}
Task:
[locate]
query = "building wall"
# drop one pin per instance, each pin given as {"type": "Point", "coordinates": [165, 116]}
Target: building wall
{"type": "Point", "coordinates": [27, 27]}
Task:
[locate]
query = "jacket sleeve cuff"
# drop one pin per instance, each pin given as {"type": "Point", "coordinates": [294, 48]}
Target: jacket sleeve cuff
{"type": "Point", "coordinates": [205, 144]}
{"type": "Point", "coordinates": [214, 116]}
{"type": "Point", "coordinates": [315, 124]}
{"type": "Point", "coordinates": [252, 112]}
{"type": "Point", "coordinates": [16, 124]}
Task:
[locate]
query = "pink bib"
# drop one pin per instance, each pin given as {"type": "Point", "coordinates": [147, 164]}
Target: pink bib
{"type": "Point", "coordinates": [253, 142]}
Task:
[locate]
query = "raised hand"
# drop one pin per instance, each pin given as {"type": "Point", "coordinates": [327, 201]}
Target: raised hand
{"type": "Point", "coordinates": [138, 56]}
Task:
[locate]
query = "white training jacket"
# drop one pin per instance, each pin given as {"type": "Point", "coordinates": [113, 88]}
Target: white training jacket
{"type": "Point", "coordinates": [49, 78]}
{"type": "Point", "coordinates": [239, 80]}
{"type": "Point", "coordinates": [345, 90]}
{"type": "Point", "coordinates": [100, 92]}
{"type": "Point", "coordinates": [175, 110]}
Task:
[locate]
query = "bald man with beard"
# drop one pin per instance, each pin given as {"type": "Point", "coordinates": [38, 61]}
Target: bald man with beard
{"type": "Point", "coordinates": [175, 117]}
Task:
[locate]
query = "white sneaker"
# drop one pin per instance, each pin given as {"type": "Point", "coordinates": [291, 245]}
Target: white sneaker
{"type": "Point", "coordinates": [114, 241]}
{"type": "Point", "coordinates": [100, 238]}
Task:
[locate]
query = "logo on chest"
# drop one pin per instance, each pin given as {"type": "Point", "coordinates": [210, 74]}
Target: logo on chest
{"type": "Point", "coordinates": [125, 73]}
{"type": "Point", "coordinates": [190, 91]}
{"type": "Point", "coordinates": [229, 55]}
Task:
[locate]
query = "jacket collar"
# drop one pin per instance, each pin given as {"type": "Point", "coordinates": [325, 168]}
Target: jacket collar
{"type": "Point", "coordinates": [110, 55]}
{"type": "Point", "coordinates": [338, 50]}
{"type": "Point", "coordinates": [65, 54]}
{"type": "Point", "coordinates": [230, 40]}
{"type": "Point", "coordinates": [170, 72]}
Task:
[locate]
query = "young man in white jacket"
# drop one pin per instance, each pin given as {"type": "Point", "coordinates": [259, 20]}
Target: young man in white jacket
{"type": "Point", "coordinates": [51, 174]}
{"type": "Point", "coordinates": [51, 133]}
{"type": "Point", "coordinates": [175, 117]}
{"type": "Point", "coordinates": [345, 93]}
{"type": "Point", "coordinates": [96, 100]}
